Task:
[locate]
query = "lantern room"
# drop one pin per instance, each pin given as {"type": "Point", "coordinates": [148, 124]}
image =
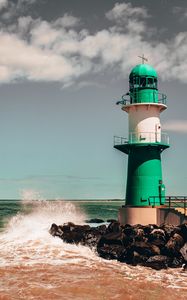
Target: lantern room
{"type": "Point", "coordinates": [143, 84]}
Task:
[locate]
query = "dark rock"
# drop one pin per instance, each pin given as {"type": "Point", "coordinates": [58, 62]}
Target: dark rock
{"type": "Point", "coordinates": [111, 220]}
{"type": "Point", "coordinates": [91, 238]}
{"type": "Point", "coordinates": [147, 230]}
{"type": "Point", "coordinates": [153, 226]}
{"type": "Point", "coordinates": [126, 256]}
{"type": "Point", "coordinates": [157, 237]}
{"type": "Point", "coordinates": [82, 227]}
{"type": "Point", "coordinates": [138, 259]}
{"type": "Point", "coordinates": [158, 262]}
{"type": "Point", "coordinates": [169, 230]}
{"type": "Point", "coordinates": [112, 238]}
{"type": "Point", "coordinates": [53, 230]}
{"type": "Point", "coordinates": [102, 229]}
{"type": "Point", "coordinates": [158, 232]}
{"type": "Point", "coordinates": [152, 246]}
{"type": "Point", "coordinates": [95, 221]}
{"type": "Point", "coordinates": [68, 226]}
{"type": "Point", "coordinates": [132, 234]}
{"type": "Point", "coordinates": [183, 251]}
{"type": "Point", "coordinates": [127, 241]}
{"type": "Point", "coordinates": [146, 249]}
{"type": "Point", "coordinates": [140, 235]}
{"type": "Point", "coordinates": [184, 267]}
{"type": "Point", "coordinates": [155, 249]}
{"type": "Point", "coordinates": [183, 231]}
{"type": "Point", "coordinates": [125, 226]}
{"type": "Point", "coordinates": [176, 262]}
{"type": "Point", "coordinates": [83, 234]}
{"type": "Point", "coordinates": [129, 231]}
{"type": "Point", "coordinates": [73, 237]}
{"type": "Point", "coordinates": [111, 251]}
{"type": "Point", "coordinates": [114, 227]}
{"type": "Point", "coordinates": [139, 232]}
{"type": "Point", "coordinates": [70, 232]}
{"type": "Point", "coordinates": [173, 246]}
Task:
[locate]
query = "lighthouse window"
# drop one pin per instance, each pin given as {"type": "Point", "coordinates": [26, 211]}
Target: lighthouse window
{"type": "Point", "coordinates": [137, 81]}
{"type": "Point", "coordinates": [134, 82]}
{"type": "Point", "coordinates": [150, 82]}
{"type": "Point", "coordinates": [142, 81]}
{"type": "Point", "coordinates": [155, 83]}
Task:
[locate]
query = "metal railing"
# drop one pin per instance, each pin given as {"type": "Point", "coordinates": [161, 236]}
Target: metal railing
{"type": "Point", "coordinates": [157, 98]}
{"type": "Point", "coordinates": [118, 140]}
{"type": "Point", "coordinates": [177, 202]}
{"type": "Point", "coordinates": [171, 202]}
{"type": "Point", "coordinates": [162, 98]}
{"type": "Point", "coordinates": [143, 137]}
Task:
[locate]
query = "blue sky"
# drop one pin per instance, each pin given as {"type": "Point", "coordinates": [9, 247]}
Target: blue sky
{"type": "Point", "coordinates": [63, 65]}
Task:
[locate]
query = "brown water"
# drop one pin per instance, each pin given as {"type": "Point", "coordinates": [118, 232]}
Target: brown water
{"type": "Point", "coordinates": [97, 281]}
{"type": "Point", "coordinates": [35, 265]}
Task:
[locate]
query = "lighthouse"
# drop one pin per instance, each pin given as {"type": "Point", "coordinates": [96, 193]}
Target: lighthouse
{"type": "Point", "coordinates": [145, 189]}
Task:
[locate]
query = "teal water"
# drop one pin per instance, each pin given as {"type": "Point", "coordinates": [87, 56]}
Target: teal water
{"type": "Point", "coordinates": [100, 209]}
{"type": "Point", "coordinates": [106, 209]}
{"type": "Point", "coordinates": [8, 208]}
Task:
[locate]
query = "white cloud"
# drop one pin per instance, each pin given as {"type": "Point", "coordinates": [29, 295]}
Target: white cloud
{"type": "Point", "coordinates": [35, 49]}
{"type": "Point", "coordinates": [176, 126]}
{"type": "Point", "coordinates": [14, 9]}
{"type": "Point", "coordinates": [123, 11]}
{"type": "Point", "coordinates": [24, 25]}
{"type": "Point", "coordinates": [18, 60]}
{"type": "Point", "coordinates": [3, 4]}
{"type": "Point", "coordinates": [43, 34]}
{"type": "Point", "coordinates": [67, 21]}
{"type": "Point", "coordinates": [136, 26]}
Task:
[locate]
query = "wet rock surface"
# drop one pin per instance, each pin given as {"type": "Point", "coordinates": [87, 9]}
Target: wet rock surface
{"type": "Point", "coordinates": [150, 246]}
{"type": "Point", "coordinates": [96, 220]}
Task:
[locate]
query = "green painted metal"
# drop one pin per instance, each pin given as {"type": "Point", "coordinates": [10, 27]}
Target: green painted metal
{"type": "Point", "coordinates": [143, 70]}
{"type": "Point", "coordinates": [143, 84]}
{"type": "Point", "coordinates": [144, 176]}
{"type": "Point", "coordinates": [144, 96]}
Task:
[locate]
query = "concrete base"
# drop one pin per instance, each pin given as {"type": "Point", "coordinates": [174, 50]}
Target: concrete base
{"type": "Point", "coordinates": [150, 215]}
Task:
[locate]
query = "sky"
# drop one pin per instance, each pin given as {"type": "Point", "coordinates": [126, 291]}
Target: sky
{"type": "Point", "coordinates": [63, 66]}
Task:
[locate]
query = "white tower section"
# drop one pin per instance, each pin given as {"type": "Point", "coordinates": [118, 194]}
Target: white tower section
{"type": "Point", "coordinates": [144, 122]}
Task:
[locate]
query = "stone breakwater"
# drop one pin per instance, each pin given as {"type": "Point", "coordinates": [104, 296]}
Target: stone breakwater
{"type": "Point", "coordinates": [151, 246]}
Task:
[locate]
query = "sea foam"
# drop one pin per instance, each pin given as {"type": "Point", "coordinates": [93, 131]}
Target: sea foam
{"type": "Point", "coordinates": [26, 239]}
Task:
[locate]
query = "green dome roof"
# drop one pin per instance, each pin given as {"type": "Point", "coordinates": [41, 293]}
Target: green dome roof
{"type": "Point", "coordinates": [143, 70]}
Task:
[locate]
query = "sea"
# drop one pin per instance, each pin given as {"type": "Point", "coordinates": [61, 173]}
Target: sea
{"type": "Point", "coordinates": [36, 266]}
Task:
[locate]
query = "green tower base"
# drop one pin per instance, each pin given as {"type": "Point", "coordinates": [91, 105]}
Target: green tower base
{"type": "Point", "coordinates": [144, 179]}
